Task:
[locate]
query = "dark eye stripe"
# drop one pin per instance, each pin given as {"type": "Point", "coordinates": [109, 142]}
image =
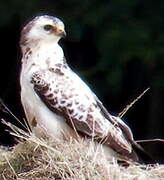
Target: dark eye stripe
{"type": "Point", "coordinates": [48, 27]}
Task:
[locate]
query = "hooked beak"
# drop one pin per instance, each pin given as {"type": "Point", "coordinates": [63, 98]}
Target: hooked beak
{"type": "Point", "coordinates": [62, 34]}
{"type": "Point", "coordinates": [59, 31]}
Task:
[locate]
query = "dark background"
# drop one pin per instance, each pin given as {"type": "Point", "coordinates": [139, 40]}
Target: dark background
{"type": "Point", "coordinates": [116, 46]}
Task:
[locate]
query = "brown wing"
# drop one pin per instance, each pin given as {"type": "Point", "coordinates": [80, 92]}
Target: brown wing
{"type": "Point", "coordinates": [137, 150]}
{"type": "Point", "coordinates": [116, 120]}
{"type": "Point", "coordinates": [118, 136]}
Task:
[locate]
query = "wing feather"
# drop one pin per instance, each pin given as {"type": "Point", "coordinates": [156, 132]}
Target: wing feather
{"type": "Point", "coordinates": [82, 108]}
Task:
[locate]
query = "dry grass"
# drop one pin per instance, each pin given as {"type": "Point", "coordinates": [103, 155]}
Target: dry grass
{"type": "Point", "coordinates": [46, 159]}
{"type": "Point", "coordinates": [42, 159]}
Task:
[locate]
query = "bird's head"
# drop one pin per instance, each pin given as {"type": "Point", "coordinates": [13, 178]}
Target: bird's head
{"type": "Point", "coordinates": [42, 29]}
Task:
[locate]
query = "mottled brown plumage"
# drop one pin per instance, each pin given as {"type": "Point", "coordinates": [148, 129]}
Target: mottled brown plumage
{"type": "Point", "coordinates": [58, 99]}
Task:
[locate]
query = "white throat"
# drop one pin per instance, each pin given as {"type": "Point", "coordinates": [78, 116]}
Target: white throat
{"type": "Point", "coordinates": [42, 57]}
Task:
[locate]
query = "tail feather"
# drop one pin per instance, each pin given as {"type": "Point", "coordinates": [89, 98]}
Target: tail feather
{"type": "Point", "coordinates": [143, 156]}
{"type": "Point", "coordinates": [154, 147]}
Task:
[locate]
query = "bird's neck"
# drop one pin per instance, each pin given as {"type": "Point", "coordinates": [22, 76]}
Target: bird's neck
{"type": "Point", "coordinates": [44, 52]}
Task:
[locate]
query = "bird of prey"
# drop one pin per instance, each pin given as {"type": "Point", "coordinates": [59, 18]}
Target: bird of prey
{"type": "Point", "coordinates": [57, 99]}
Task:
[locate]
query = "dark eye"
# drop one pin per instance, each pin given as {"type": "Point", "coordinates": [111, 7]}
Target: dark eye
{"type": "Point", "coordinates": [48, 27]}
